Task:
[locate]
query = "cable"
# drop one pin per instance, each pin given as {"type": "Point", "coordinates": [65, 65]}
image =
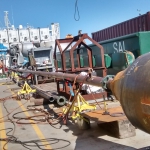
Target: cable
{"type": "Point", "coordinates": [13, 130]}
{"type": "Point", "coordinates": [14, 140]}
{"type": "Point", "coordinates": [76, 12]}
{"type": "Point", "coordinates": [12, 110]}
{"type": "Point", "coordinates": [7, 98]}
{"type": "Point", "coordinates": [94, 97]}
{"type": "Point", "coordinates": [45, 115]}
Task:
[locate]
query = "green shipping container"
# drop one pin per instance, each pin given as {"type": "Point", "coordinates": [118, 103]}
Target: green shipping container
{"type": "Point", "coordinates": [138, 43]}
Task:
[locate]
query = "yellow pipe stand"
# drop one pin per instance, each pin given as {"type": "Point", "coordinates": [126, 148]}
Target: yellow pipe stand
{"type": "Point", "coordinates": [25, 92]}
{"type": "Point", "coordinates": [79, 106]}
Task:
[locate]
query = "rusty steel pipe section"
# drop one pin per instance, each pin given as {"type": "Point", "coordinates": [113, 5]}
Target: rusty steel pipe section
{"type": "Point", "coordinates": [94, 80]}
{"type": "Point", "coordinates": [132, 88]}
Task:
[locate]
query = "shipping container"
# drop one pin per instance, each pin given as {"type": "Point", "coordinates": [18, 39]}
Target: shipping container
{"type": "Point", "coordinates": [137, 43]}
{"type": "Point", "coordinates": [137, 24]}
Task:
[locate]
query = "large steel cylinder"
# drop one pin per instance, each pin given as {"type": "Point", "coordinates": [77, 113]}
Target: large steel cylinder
{"type": "Point", "coordinates": [132, 88]}
{"type": "Point", "coordinates": [26, 47]}
{"type": "Point", "coordinates": [21, 47]}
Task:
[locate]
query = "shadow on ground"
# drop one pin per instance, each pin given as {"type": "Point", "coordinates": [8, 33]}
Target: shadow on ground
{"type": "Point", "coordinates": [91, 139]}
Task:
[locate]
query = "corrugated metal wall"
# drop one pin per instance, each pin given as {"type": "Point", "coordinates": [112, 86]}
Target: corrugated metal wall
{"type": "Point", "coordinates": [140, 23]}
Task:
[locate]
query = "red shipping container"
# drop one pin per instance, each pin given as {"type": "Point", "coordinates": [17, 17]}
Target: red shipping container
{"type": "Point", "coordinates": [137, 24]}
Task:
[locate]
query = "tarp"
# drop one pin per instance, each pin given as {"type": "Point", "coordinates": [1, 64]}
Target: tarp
{"type": "Point", "coordinates": [26, 60]}
{"type": "Point", "coordinates": [3, 49]}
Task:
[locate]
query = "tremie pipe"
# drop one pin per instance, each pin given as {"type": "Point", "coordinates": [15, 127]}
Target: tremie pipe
{"type": "Point", "coordinates": [95, 81]}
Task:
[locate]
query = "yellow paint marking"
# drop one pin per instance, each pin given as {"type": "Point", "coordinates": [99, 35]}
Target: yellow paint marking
{"type": "Point", "coordinates": [35, 127]}
{"type": "Point", "coordinates": [2, 132]}
{"type": "Point", "coordinates": [135, 69]}
{"type": "Point", "coordinates": [2, 83]}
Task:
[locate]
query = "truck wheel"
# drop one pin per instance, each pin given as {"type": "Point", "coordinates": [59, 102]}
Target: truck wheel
{"type": "Point", "coordinates": [61, 100]}
{"type": "Point", "coordinates": [83, 123]}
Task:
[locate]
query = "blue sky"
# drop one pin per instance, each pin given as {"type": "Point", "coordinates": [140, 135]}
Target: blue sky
{"type": "Point", "coordinates": [94, 14]}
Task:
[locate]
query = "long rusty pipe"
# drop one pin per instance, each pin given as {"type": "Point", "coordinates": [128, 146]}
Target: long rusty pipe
{"type": "Point", "coordinates": [95, 81]}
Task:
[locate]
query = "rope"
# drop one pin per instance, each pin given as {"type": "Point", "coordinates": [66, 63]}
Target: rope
{"type": "Point", "coordinates": [76, 12]}
{"type": "Point", "coordinates": [94, 97]}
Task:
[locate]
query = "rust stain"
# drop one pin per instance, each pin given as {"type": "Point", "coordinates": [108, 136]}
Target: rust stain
{"type": "Point", "coordinates": [135, 69]}
{"type": "Point", "coordinates": [145, 101]}
{"type": "Point", "coordinates": [146, 120]}
{"type": "Point", "coordinates": [115, 83]}
{"type": "Point", "coordinates": [97, 115]}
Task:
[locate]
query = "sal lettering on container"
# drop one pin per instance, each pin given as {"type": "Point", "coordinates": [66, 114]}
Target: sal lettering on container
{"type": "Point", "coordinates": [119, 46]}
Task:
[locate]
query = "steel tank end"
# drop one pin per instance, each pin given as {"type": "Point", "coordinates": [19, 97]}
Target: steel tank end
{"type": "Point", "coordinates": [132, 88]}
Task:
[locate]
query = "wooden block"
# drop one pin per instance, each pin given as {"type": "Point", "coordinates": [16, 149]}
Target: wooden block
{"type": "Point", "coordinates": [120, 129]}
